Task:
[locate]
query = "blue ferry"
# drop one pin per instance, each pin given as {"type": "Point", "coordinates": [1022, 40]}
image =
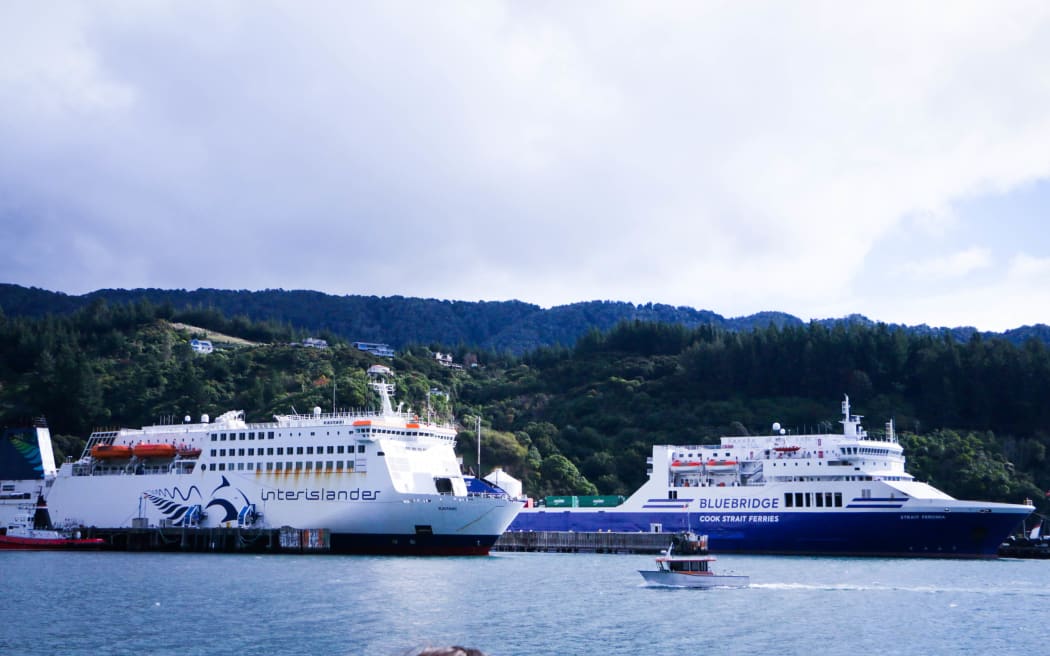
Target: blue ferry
{"type": "Point", "coordinates": [824, 494]}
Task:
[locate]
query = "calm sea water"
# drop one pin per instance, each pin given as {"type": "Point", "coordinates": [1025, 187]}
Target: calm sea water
{"type": "Point", "coordinates": [513, 604]}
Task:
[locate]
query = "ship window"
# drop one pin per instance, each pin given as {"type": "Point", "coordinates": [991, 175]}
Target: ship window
{"type": "Point", "coordinates": [278, 466]}
{"type": "Point", "coordinates": [317, 465]}
{"type": "Point", "coordinates": [339, 449]}
{"type": "Point", "coordinates": [828, 499]}
{"type": "Point", "coordinates": [269, 435]}
{"type": "Point", "coordinates": [798, 499]}
{"type": "Point", "coordinates": [280, 450]}
{"type": "Point", "coordinates": [222, 452]}
{"type": "Point", "coordinates": [269, 450]}
{"type": "Point", "coordinates": [819, 499]}
{"type": "Point", "coordinates": [360, 448]}
{"type": "Point", "coordinates": [288, 466]}
{"type": "Point", "coordinates": [444, 485]}
{"type": "Point", "coordinates": [240, 466]}
{"type": "Point", "coordinates": [331, 449]}
{"type": "Point", "coordinates": [339, 465]}
{"type": "Point", "coordinates": [222, 466]}
{"type": "Point", "coordinates": [242, 436]}
{"type": "Point", "coordinates": [213, 453]}
{"type": "Point", "coordinates": [214, 437]}
{"type": "Point", "coordinates": [311, 433]}
{"type": "Point", "coordinates": [240, 452]}
{"type": "Point", "coordinates": [299, 450]}
{"type": "Point", "coordinates": [269, 466]}
{"type": "Point", "coordinates": [838, 499]}
{"type": "Point", "coordinates": [309, 466]}
{"type": "Point", "coordinates": [309, 450]}
{"type": "Point", "coordinates": [329, 465]}
{"type": "Point", "coordinates": [212, 467]}
{"type": "Point", "coordinates": [298, 466]}
{"type": "Point", "coordinates": [251, 452]}
{"type": "Point", "coordinates": [222, 437]}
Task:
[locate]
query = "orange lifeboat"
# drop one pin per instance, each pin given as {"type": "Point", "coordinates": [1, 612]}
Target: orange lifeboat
{"type": "Point", "coordinates": [719, 466]}
{"type": "Point", "coordinates": [685, 465]}
{"type": "Point", "coordinates": [110, 452]}
{"type": "Point", "coordinates": [154, 450]}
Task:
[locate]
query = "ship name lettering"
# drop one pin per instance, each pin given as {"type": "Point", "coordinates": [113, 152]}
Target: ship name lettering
{"type": "Point", "coordinates": [738, 503]}
{"type": "Point", "coordinates": [322, 494]}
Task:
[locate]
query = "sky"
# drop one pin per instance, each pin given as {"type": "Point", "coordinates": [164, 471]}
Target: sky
{"type": "Point", "coordinates": [890, 159]}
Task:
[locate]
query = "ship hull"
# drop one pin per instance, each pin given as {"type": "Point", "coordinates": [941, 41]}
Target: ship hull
{"type": "Point", "coordinates": [959, 533]}
{"type": "Point", "coordinates": [359, 518]}
{"type": "Point", "coordinates": [676, 580]}
{"type": "Point", "coordinates": [10, 543]}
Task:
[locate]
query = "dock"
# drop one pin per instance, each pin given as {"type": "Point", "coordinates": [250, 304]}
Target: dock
{"type": "Point", "coordinates": [216, 540]}
{"type": "Point", "coordinates": [583, 542]}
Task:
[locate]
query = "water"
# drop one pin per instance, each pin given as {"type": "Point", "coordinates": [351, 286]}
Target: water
{"type": "Point", "coordinates": [512, 604]}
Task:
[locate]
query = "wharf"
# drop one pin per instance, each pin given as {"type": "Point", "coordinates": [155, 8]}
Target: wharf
{"type": "Point", "coordinates": [217, 540]}
{"type": "Point", "coordinates": [1026, 550]}
{"type": "Point", "coordinates": [583, 542]}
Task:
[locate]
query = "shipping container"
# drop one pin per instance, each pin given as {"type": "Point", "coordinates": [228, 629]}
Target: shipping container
{"type": "Point", "coordinates": [600, 501]}
{"type": "Point", "coordinates": [561, 502]}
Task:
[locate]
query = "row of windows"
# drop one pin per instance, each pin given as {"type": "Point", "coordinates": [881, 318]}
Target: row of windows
{"type": "Point", "coordinates": [297, 450]}
{"type": "Point", "coordinates": [318, 465]}
{"type": "Point", "coordinates": [864, 450]}
{"type": "Point", "coordinates": [269, 435]}
{"type": "Point", "coordinates": [222, 437]}
{"type": "Point", "coordinates": [813, 499]}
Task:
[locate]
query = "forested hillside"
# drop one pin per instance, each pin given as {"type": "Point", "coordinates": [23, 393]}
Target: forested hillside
{"type": "Point", "coordinates": [971, 415]}
{"type": "Point", "coordinates": [511, 326]}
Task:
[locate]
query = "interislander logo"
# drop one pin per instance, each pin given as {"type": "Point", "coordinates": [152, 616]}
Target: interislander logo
{"type": "Point", "coordinates": [175, 504]}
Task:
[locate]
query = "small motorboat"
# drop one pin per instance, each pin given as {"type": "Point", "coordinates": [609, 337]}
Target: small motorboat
{"type": "Point", "coordinates": [686, 564]}
{"type": "Point", "coordinates": [23, 536]}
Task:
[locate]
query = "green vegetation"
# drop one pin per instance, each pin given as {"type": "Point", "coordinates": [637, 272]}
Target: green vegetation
{"type": "Point", "coordinates": [972, 415]}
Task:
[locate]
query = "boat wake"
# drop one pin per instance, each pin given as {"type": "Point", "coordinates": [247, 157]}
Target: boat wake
{"type": "Point", "coordinates": [850, 587]}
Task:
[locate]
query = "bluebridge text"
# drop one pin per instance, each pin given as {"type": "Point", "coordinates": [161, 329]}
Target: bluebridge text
{"type": "Point", "coordinates": [738, 503]}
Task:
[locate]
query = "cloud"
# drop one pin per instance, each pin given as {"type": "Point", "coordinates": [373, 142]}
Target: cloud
{"type": "Point", "coordinates": [955, 265]}
{"type": "Point", "coordinates": [732, 157]}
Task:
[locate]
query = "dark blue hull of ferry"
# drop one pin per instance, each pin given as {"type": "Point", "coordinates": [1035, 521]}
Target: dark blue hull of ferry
{"type": "Point", "coordinates": [933, 534]}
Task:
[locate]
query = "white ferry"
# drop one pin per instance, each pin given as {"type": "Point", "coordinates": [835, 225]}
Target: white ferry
{"type": "Point", "coordinates": [835, 494]}
{"type": "Point", "coordinates": [379, 482]}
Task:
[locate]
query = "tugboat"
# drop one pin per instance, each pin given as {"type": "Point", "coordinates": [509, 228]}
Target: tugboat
{"type": "Point", "coordinates": [686, 564]}
{"type": "Point", "coordinates": [22, 535]}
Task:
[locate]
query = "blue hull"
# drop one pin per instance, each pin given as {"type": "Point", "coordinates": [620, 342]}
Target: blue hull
{"type": "Point", "coordinates": [936, 534]}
